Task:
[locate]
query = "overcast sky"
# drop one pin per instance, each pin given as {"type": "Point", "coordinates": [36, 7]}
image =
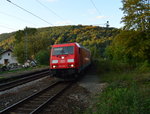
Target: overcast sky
{"type": "Point", "coordinates": [58, 12]}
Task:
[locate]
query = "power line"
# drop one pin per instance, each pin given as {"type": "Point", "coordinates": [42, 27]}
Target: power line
{"type": "Point", "coordinates": [3, 26]}
{"type": "Point", "coordinates": [16, 18]}
{"type": "Point", "coordinates": [95, 7]}
{"type": "Point", "coordinates": [49, 9]}
{"type": "Point", "coordinates": [107, 24]}
{"type": "Point", "coordinates": [29, 12]}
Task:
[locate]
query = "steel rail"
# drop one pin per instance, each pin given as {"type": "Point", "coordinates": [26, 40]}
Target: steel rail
{"type": "Point", "coordinates": [29, 98]}
{"type": "Point", "coordinates": [50, 100]}
{"type": "Point", "coordinates": [9, 85]}
{"type": "Point", "coordinates": [18, 76]}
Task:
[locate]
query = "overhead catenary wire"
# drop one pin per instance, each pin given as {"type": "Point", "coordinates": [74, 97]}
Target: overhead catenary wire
{"type": "Point", "coordinates": [49, 9]}
{"type": "Point", "coordinates": [3, 26]}
{"type": "Point", "coordinates": [29, 12]}
{"type": "Point", "coordinates": [95, 7]}
{"type": "Point", "coordinates": [107, 24]}
{"type": "Point", "coordinates": [18, 18]}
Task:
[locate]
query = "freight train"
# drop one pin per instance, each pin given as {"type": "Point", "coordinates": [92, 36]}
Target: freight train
{"type": "Point", "coordinates": [69, 60]}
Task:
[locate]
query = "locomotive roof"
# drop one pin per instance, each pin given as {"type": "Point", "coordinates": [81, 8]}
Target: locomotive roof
{"type": "Point", "coordinates": [68, 44]}
{"type": "Point", "coordinates": [75, 43]}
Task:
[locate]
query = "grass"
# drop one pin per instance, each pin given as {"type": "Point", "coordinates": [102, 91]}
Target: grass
{"type": "Point", "coordinates": [2, 77]}
{"type": "Point", "coordinates": [122, 101]}
{"type": "Point", "coordinates": [128, 91]}
{"type": "Point", "coordinates": [23, 69]}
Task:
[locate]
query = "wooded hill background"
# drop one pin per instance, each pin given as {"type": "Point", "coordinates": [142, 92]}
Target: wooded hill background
{"type": "Point", "coordinates": [36, 40]}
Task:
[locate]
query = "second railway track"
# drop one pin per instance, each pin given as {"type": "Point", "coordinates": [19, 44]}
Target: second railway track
{"type": "Point", "coordinates": [17, 82]}
{"type": "Point", "coordinates": [36, 102]}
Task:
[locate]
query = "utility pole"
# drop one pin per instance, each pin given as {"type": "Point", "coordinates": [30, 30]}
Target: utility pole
{"type": "Point", "coordinates": [108, 42]}
{"type": "Point", "coordinates": [26, 45]}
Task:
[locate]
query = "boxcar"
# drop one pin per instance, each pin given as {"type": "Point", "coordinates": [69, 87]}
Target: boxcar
{"type": "Point", "coordinates": [67, 60]}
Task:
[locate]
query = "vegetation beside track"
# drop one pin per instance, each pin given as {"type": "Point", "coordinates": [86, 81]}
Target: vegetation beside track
{"type": "Point", "coordinates": [127, 92]}
{"type": "Point", "coordinates": [2, 77]}
{"type": "Point", "coordinates": [21, 70]}
{"type": "Point", "coordinates": [127, 68]}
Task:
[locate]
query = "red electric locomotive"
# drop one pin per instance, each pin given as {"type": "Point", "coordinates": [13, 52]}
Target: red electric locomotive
{"type": "Point", "coordinates": [68, 59]}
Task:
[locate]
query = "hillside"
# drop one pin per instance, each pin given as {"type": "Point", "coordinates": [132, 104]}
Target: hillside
{"type": "Point", "coordinates": [93, 37]}
{"type": "Point", "coordinates": [5, 36]}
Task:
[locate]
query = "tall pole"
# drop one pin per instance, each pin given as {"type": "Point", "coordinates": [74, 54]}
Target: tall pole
{"type": "Point", "coordinates": [26, 45]}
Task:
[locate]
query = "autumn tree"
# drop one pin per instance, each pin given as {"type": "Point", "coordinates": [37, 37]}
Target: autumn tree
{"type": "Point", "coordinates": [132, 45]}
{"type": "Point", "coordinates": [136, 14]}
{"type": "Point", "coordinates": [21, 41]}
{"type": "Point", "coordinates": [34, 41]}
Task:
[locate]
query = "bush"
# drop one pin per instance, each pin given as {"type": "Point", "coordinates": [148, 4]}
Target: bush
{"type": "Point", "coordinates": [127, 92]}
{"type": "Point", "coordinates": [105, 66]}
{"type": "Point", "coordinates": [144, 67]}
{"type": "Point", "coordinates": [42, 57]}
{"type": "Point", "coordinates": [121, 101]}
{"type": "Point", "coordinates": [130, 46]}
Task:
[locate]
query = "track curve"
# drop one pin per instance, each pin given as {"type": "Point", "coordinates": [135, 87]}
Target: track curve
{"type": "Point", "coordinates": [36, 102]}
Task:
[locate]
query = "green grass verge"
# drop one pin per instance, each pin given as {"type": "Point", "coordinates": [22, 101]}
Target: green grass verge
{"type": "Point", "coordinates": [121, 101]}
{"type": "Point", "coordinates": [127, 93]}
{"type": "Point", "coordinates": [23, 69]}
{"type": "Point", "coordinates": [2, 77]}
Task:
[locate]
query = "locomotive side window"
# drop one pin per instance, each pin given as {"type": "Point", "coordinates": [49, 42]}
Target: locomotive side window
{"type": "Point", "coordinates": [63, 50]}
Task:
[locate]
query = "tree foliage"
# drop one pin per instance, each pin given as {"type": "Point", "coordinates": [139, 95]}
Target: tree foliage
{"type": "Point", "coordinates": [132, 45]}
{"type": "Point", "coordinates": [137, 14]}
{"type": "Point", "coordinates": [42, 57]}
{"type": "Point", "coordinates": [34, 40]}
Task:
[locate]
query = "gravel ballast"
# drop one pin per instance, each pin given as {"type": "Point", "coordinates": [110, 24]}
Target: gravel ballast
{"type": "Point", "coordinates": [74, 100]}
{"type": "Point", "coordinates": [14, 95]}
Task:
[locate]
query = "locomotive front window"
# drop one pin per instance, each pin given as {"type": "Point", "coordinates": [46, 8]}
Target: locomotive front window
{"type": "Point", "coordinates": [63, 50]}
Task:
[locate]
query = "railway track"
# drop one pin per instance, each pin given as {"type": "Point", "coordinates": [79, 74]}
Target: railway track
{"type": "Point", "coordinates": [23, 80]}
{"type": "Point", "coordinates": [37, 102]}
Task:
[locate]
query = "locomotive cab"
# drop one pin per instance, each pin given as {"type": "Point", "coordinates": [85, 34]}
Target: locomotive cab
{"type": "Point", "coordinates": [63, 60]}
{"type": "Point", "coordinates": [67, 60]}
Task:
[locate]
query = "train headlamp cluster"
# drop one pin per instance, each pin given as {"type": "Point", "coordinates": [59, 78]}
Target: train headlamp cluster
{"type": "Point", "coordinates": [71, 65]}
{"type": "Point", "coordinates": [54, 61]}
{"type": "Point", "coordinates": [70, 60]}
{"type": "Point", "coordinates": [54, 66]}
{"type": "Point", "coordinates": [62, 57]}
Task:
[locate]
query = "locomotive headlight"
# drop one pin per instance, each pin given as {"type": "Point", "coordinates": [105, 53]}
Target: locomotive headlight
{"type": "Point", "coordinates": [72, 65]}
{"type": "Point", "coordinates": [54, 66]}
{"type": "Point", "coordinates": [70, 60]}
{"type": "Point", "coordinates": [54, 61]}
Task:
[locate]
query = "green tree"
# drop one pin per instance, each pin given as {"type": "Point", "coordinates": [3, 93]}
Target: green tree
{"type": "Point", "coordinates": [130, 46]}
{"type": "Point", "coordinates": [42, 57]}
{"type": "Point", "coordinates": [35, 40]}
{"type": "Point", "coordinates": [136, 14]}
{"type": "Point", "coordinates": [19, 52]}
